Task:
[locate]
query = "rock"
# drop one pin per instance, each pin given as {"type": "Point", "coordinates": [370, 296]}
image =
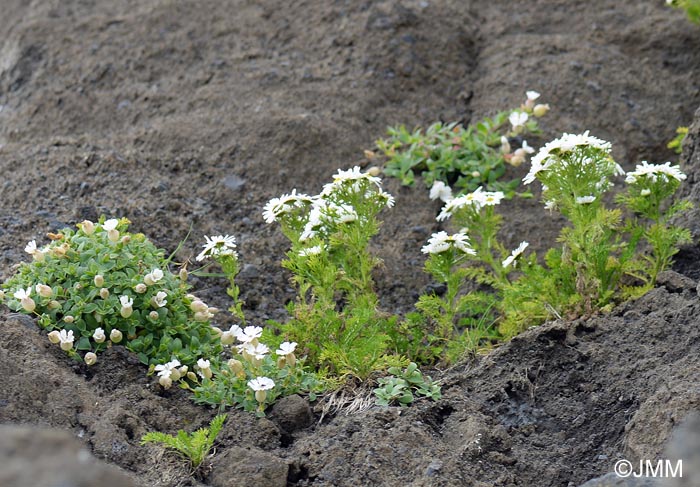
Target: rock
{"type": "Point", "coordinates": [291, 413]}
{"type": "Point", "coordinates": [249, 271]}
{"type": "Point", "coordinates": [51, 458]}
{"type": "Point", "coordinates": [685, 446]}
{"type": "Point", "coordinates": [613, 480]}
{"type": "Point", "coordinates": [240, 466]}
{"type": "Point", "coordinates": [234, 182]}
{"type": "Point", "coordinates": [674, 282]}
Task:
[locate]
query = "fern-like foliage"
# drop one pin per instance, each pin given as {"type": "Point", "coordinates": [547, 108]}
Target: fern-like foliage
{"type": "Point", "coordinates": [195, 446]}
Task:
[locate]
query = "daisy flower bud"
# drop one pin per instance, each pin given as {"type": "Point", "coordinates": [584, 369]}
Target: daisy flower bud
{"type": "Point", "coordinates": [166, 382]}
{"type": "Point", "coordinates": [140, 288]}
{"type": "Point", "coordinates": [43, 290]}
{"type": "Point", "coordinates": [99, 335]}
{"type": "Point", "coordinates": [153, 315]}
{"type": "Point", "coordinates": [104, 293]}
{"type": "Point", "coordinates": [54, 337]}
{"type": "Point", "coordinates": [99, 280]}
{"type": "Point", "coordinates": [90, 358]}
{"type": "Point", "coordinates": [540, 110]}
{"type": "Point", "coordinates": [68, 319]}
{"type": "Point", "coordinates": [116, 336]}
{"type": "Point", "coordinates": [87, 227]}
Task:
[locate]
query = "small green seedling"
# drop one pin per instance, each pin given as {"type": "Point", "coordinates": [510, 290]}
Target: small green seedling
{"type": "Point", "coordinates": [191, 446]}
{"type": "Point", "coordinates": [404, 386]}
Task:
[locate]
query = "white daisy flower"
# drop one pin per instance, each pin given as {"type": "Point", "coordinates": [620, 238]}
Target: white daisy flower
{"type": "Point", "coordinates": [278, 206]}
{"type": "Point", "coordinates": [515, 254]}
{"type": "Point", "coordinates": [315, 250]}
{"type": "Point", "coordinates": [219, 245]}
{"type": "Point", "coordinates": [585, 200]}
{"type": "Point", "coordinates": [440, 242]}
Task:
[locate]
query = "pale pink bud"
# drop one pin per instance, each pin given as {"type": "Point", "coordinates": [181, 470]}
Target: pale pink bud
{"type": "Point", "coordinates": [140, 288]}
{"type": "Point", "coordinates": [104, 293]}
{"type": "Point", "coordinates": [99, 280]}
{"type": "Point", "coordinates": [166, 382]}
{"type": "Point", "coordinates": [54, 337]}
{"type": "Point", "coordinates": [68, 319]}
{"type": "Point", "coordinates": [540, 110]}
{"type": "Point", "coordinates": [87, 227]}
{"type": "Point", "coordinates": [44, 291]}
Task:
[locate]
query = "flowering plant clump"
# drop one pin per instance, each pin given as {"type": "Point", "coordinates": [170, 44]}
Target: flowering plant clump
{"type": "Point", "coordinates": [335, 315]}
{"type": "Point", "coordinates": [100, 285]}
{"type": "Point", "coordinates": [253, 377]}
{"type": "Point", "coordinates": [467, 157]}
{"type": "Point", "coordinates": [600, 260]}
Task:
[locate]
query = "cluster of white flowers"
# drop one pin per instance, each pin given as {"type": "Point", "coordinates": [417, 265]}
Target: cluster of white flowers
{"type": "Point", "coordinates": [476, 200]}
{"type": "Point", "coordinates": [351, 178]}
{"type": "Point", "coordinates": [202, 312]}
{"type": "Point", "coordinates": [515, 254]}
{"type": "Point", "coordinates": [327, 208]}
{"type": "Point", "coordinates": [218, 245]}
{"type": "Point", "coordinates": [169, 372]}
{"type": "Point", "coordinates": [285, 203]}
{"type": "Point", "coordinates": [655, 171]}
{"type": "Point", "coordinates": [441, 242]}
{"type": "Point", "coordinates": [315, 250]}
{"type": "Point", "coordinates": [566, 143]}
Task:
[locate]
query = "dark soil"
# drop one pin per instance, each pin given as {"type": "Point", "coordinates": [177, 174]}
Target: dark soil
{"type": "Point", "coordinates": [188, 114]}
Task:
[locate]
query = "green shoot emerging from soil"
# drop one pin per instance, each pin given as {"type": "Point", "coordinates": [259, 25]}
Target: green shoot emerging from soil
{"type": "Point", "coordinates": [193, 447]}
{"type": "Point", "coordinates": [467, 157]}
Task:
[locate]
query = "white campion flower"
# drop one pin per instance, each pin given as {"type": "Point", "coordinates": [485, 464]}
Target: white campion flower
{"type": "Point", "coordinates": [286, 348]}
{"type": "Point", "coordinates": [152, 277]}
{"type": "Point", "coordinates": [585, 200]}
{"type": "Point", "coordinates": [279, 206]}
{"type": "Point", "coordinates": [126, 306]}
{"type": "Point", "coordinates": [250, 333]}
{"type": "Point", "coordinates": [110, 224]}
{"type": "Point", "coordinates": [315, 250]}
{"type": "Point", "coordinates": [261, 384]}
{"type": "Point", "coordinates": [228, 337]}
{"type": "Point", "coordinates": [34, 251]}
{"type": "Point", "coordinates": [43, 290]}
{"type": "Point", "coordinates": [204, 368]}
{"type": "Point", "coordinates": [440, 191]}
{"type": "Point", "coordinates": [518, 120]}
{"type": "Point", "coordinates": [515, 254]}
{"type": "Point", "coordinates": [531, 97]}
{"type": "Point", "coordinates": [66, 339]}
{"type": "Point", "coordinates": [99, 335]}
{"type": "Point", "coordinates": [219, 245]}
{"type": "Point", "coordinates": [24, 296]}
{"type": "Point", "coordinates": [167, 369]}
{"type": "Point", "coordinates": [441, 242]}
{"type": "Point", "coordinates": [159, 300]}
